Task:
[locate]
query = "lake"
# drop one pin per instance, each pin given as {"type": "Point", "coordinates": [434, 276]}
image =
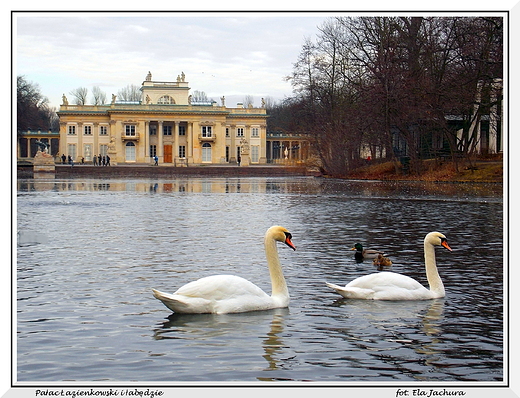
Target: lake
{"type": "Point", "coordinates": [90, 251]}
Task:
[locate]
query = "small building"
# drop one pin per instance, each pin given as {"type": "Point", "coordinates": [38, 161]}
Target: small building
{"type": "Point", "coordinates": [167, 124]}
{"type": "Point", "coordinates": [27, 146]}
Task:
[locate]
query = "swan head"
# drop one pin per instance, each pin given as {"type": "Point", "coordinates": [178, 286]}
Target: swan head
{"type": "Point", "coordinates": [281, 234]}
{"type": "Point", "coordinates": [437, 239]}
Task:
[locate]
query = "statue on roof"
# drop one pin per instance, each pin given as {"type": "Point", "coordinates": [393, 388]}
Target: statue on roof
{"type": "Point", "coordinates": [183, 76]}
{"type": "Point", "coordinates": [149, 77]}
{"type": "Point", "coordinates": [64, 99]}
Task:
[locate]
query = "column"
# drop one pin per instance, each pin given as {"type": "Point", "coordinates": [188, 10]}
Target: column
{"type": "Point", "coordinates": [147, 141]}
{"type": "Point", "coordinates": [160, 146]}
{"type": "Point", "coordinates": [175, 149]}
{"type": "Point", "coordinates": [189, 143]}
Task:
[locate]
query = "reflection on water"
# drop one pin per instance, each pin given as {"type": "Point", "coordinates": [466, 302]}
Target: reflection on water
{"type": "Point", "coordinates": [304, 185]}
{"type": "Point", "coordinates": [85, 311]}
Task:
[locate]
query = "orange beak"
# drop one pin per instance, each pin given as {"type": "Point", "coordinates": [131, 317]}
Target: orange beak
{"type": "Point", "coordinates": [445, 244]}
{"type": "Point", "coordinates": [289, 243]}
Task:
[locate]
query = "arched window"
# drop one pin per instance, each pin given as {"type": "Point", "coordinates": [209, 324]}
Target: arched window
{"type": "Point", "coordinates": [206, 152]}
{"type": "Point", "coordinates": [130, 151]}
{"type": "Point", "coordinates": [166, 100]}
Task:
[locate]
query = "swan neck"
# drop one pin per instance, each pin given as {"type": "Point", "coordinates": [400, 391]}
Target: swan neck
{"type": "Point", "coordinates": [432, 274]}
{"type": "Point", "coordinates": [279, 286]}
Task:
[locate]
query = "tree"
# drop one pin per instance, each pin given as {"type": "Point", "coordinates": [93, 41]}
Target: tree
{"type": "Point", "coordinates": [98, 97]}
{"type": "Point", "coordinates": [130, 93]}
{"type": "Point", "coordinates": [199, 96]}
{"type": "Point", "coordinates": [248, 100]}
{"type": "Point", "coordinates": [33, 111]}
{"type": "Point", "coordinates": [80, 95]}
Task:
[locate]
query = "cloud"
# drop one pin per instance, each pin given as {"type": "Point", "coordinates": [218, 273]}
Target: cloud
{"type": "Point", "coordinates": [248, 54]}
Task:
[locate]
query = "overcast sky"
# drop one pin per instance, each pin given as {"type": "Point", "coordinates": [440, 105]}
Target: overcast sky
{"type": "Point", "coordinates": [221, 54]}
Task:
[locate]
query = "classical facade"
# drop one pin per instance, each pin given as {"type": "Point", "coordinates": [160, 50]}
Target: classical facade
{"type": "Point", "coordinates": [167, 124]}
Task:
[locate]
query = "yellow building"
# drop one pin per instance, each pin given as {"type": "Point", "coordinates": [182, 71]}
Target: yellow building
{"type": "Point", "coordinates": [164, 123]}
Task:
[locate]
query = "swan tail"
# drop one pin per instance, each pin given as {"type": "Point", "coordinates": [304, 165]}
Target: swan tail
{"type": "Point", "coordinates": [182, 304]}
{"type": "Point", "coordinates": [352, 292]}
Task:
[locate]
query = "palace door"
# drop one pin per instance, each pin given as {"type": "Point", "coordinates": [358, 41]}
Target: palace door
{"type": "Point", "coordinates": [167, 154]}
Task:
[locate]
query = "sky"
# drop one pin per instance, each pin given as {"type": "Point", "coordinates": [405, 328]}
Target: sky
{"type": "Point", "coordinates": [222, 54]}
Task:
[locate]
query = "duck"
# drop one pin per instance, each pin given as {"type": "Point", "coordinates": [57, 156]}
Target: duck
{"type": "Point", "coordinates": [362, 253]}
{"type": "Point", "coordinates": [382, 261]}
{"type": "Point", "coordinates": [393, 286]}
{"type": "Point", "coordinates": [222, 294]}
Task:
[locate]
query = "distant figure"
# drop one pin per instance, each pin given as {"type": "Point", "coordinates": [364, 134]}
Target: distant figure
{"type": "Point", "coordinates": [108, 160]}
{"type": "Point", "coordinates": [156, 158]}
{"type": "Point", "coordinates": [71, 162]}
{"type": "Point", "coordinates": [99, 160]}
{"type": "Point", "coordinates": [82, 160]}
{"type": "Point", "coordinates": [63, 159]}
{"type": "Point", "coordinates": [94, 160]}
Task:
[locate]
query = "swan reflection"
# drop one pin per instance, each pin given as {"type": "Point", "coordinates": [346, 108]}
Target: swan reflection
{"type": "Point", "coordinates": [226, 330]}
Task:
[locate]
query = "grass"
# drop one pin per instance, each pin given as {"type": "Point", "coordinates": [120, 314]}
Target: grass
{"type": "Point", "coordinates": [433, 170]}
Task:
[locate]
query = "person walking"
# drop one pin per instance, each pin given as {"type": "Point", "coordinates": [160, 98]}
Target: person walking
{"type": "Point", "coordinates": [63, 158]}
{"type": "Point", "coordinates": [156, 158]}
{"type": "Point", "coordinates": [99, 160]}
{"type": "Point", "coordinates": [94, 160]}
{"type": "Point", "coordinates": [108, 160]}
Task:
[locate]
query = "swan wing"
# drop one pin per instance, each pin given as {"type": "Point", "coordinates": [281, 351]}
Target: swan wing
{"type": "Point", "coordinates": [385, 286]}
{"type": "Point", "coordinates": [217, 294]}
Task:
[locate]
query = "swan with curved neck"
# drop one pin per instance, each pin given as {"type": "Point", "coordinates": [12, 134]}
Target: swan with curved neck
{"type": "Point", "coordinates": [221, 294]}
{"type": "Point", "coordinates": [392, 286]}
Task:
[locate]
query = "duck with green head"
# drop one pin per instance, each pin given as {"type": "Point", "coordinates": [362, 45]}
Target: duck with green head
{"type": "Point", "coordinates": [362, 253]}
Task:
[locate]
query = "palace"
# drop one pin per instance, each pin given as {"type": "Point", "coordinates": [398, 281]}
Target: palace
{"type": "Point", "coordinates": [167, 124]}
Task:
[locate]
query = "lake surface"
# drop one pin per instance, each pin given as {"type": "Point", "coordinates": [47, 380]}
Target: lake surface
{"type": "Point", "coordinates": [89, 252]}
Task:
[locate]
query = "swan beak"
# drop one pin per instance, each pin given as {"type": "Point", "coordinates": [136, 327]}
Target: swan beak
{"type": "Point", "coordinates": [445, 244]}
{"type": "Point", "coordinates": [289, 243]}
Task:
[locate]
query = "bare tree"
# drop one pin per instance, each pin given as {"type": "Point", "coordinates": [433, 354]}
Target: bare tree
{"type": "Point", "coordinates": [99, 97]}
{"type": "Point", "coordinates": [80, 95]}
{"type": "Point", "coordinates": [248, 101]}
{"type": "Point", "coordinates": [129, 93]}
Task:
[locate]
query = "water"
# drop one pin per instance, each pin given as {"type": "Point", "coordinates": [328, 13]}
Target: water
{"type": "Point", "coordinates": [91, 250]}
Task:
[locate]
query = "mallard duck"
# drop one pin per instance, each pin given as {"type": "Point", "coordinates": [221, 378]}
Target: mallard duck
{"type": "Point", "coordinates": [362, 254]}
{"type": "Point", "coordinates": [382, 261]}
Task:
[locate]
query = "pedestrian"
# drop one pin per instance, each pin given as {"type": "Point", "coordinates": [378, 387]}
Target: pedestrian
{"type": "Point", "coordinates": [99, 160]}
{"type": "Point", "coordinates": [156, 158]}
{"type": "Point", "coordinates": [108, 160]}
{"type": "Point", "coordinates": [82, 160]}
{"type": "Point", "coordinates": [71, 162]}
{"type": "Point", "coordinates": [94, 160]}
{"type": "Point", "coordinates": [104, 160]}
{"type": "Point", "coordinates": [63, 158]}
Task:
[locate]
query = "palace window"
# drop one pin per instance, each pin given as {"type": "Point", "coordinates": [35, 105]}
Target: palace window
{"type": "Point", "coordinates": [240, 131]}
{"type": "Point", "coordinates": [87, 130]}
{"type": "Point", "coordinates": [167, 130]}
{"type": "Point", "coordinates": [71, 151]}
{"type": "Point", "coordinates": [182, 151]}
{"type": "Point", "coordinates": [71, 130]}
{"type": "Point", "coordinates": [130, 130]}
{"type": "Point", "coordinates": [227, 131]}
{"type": "Point", "coordinates": [206, 131]}
{"type": "Point", "coordinates": [103, 130]}
{"type": "Point", "coordinates": [254, 153]}
{"type": "Point", "coordinates": [255, 132]}
{"type": "Point", "coordinates": [103, 150]}
{"type": "Point", "coordinates": [182, 130]}
{"type": "Point", "coordinates": [166, 100]}
{"type": "Point", "coordinates": [153, 150]}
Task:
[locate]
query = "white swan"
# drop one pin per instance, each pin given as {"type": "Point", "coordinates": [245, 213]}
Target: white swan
{"type": "Point", "coordinates": [392, 286]}
{"type": "Point", "coordinates": [221, 294]}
